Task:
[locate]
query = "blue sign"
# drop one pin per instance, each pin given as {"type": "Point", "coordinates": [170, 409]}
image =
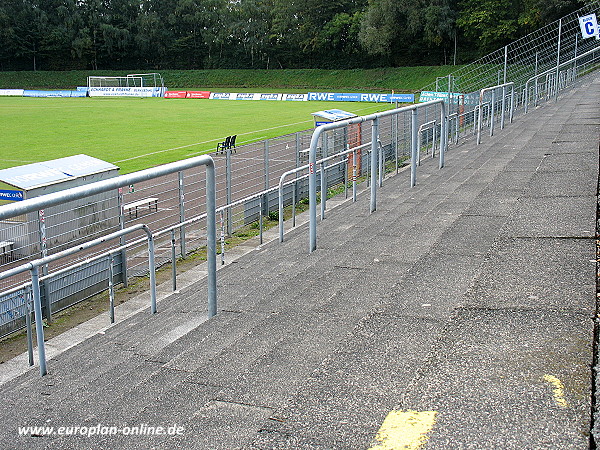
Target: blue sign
{"type": "Point", "coordinates": [33, 93]}
{"type": "Point", "coordinates": [13, 196]}
{"type": "Point", "coordinates": [360, 97]}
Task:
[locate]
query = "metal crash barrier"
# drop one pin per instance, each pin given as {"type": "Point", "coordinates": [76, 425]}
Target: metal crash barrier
{"type": "Point", "coordinates": [45, 201]}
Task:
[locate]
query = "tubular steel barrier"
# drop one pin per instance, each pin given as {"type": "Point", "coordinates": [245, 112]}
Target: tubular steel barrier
{"type": "Point", "coordinates": [42, 202]}
{"type": "Point", "coordinates": [323, 188]}
{"type": "Point", "coordinates": [34, 266]}
{"type": "Point", "coordinates": [374, 118]}
{"type": "Point", "coordinates": [431, 125]}
{"type": "Point", "coordinates": [493, 90]}
{"type": "Point", "coordinates": [551, 72]}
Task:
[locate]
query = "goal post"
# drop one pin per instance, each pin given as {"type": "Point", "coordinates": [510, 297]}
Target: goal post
{"type": "Point", "coordinates": [99, 81]}
{"type": "Point", "coordinates": [131, 85]}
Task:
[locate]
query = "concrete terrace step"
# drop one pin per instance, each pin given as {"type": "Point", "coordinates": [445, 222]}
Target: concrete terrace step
{"type": "Point", "coordinates": [470, 295]}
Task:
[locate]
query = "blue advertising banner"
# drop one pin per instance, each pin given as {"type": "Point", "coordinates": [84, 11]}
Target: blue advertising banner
{"type": "Point", "coordinates": [33, 93]}
{"type": "Point", "coordinates": [465, 99]}
{"type": "Point", "coordinates": [13, 196]}
{"type": "Point", "coordinates": [360, 97]}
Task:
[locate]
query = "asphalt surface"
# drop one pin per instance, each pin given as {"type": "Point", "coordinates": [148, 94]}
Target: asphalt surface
{"type": "Point", "coordinates": [460, 314]}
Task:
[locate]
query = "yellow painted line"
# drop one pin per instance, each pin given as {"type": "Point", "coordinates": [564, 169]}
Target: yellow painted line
{"type": "Point", "coordinates": [558, 390]}
{"type": "Point", "coordinates": [404, 430]}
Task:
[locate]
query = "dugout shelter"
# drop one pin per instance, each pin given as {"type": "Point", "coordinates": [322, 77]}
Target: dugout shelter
{"type": "Point", "coordinates": [78, 219]}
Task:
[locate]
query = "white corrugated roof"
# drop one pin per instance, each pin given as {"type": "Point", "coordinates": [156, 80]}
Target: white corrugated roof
{"type": "Point", "coordinates": [44, 173]}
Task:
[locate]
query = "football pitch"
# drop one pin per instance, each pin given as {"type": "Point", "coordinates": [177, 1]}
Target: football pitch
{"type": "Point", "coordinates": [135, 133]}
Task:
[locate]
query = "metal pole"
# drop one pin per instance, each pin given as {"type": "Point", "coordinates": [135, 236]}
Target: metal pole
{"type": "Point", "coordinates": [374, 164]}
{"type": "Point", "coordinates": [443, 134]}
{"type": "Point", "coordinates": [558, 59]}
{"type": "Point", "coordinates": [294, 196]}
{"type": "Point", "coordinates": [228, 188]}
{"type": "Point", "coordinates": [222, 238]}
{"type": "Point", "coordinates": [413, 147]}
{"type": "Point", "coordinates": [354, 175]}
{"type": "Point", "coordinates": [505, 62]}
{"type": "Point", "coordinates": [44, 253]}
{"type": "Point", "coordinates": [122, 240]}
{"type": "Point", "coordinates": [211, 234]}
{"type": "Point", "coordinates": [312, 193]}
{"type": "Point", "coordinates": [535, 91]}
{"type": "Point", "coordinates": [492, 111]}
{"type": "Point", "coordinates": [181, 214]}
{"type": "Point", "coordinates": [39, 322]}
{"type": "Point", "coordinates": [512, 103]}
{"type": "Point", "coordinates": [260, 218]}
{"type": "Point", "coordinates": [575, 57]}
{"type": "Point", "coordinates": [346, 172]}
{"type": "Point", "coordinates": [27, 300]}
{"type": "Point", "coordinates": [111, 287]}
{"type": "Point", "coordinates": [280, 224]}
{"type": "Point", "coordinates": [381, 161]}
{"type": "Point", "coordinates": [503, 107]}
{"type": "Point", "coordinates": [323, 191]}
{"type": "Point", "coordinates": [173, 261]}
{"type": "Point", "coordinates": [152, 270]}
{"type": "Point", "coordinates": [266, 156]}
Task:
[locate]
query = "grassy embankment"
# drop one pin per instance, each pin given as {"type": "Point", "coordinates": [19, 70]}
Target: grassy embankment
{"type": "Point", "coordinates": [402, 79]}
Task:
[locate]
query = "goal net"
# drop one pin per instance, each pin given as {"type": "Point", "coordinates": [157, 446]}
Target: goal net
{"type": "Point", "coordinates": [139, 85]}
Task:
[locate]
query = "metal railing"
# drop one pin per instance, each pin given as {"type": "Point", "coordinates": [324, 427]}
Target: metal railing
{"type": "Point", "coordinates": [40, 203]}
{"type": "Point", "coordinates": [493, 90]}
{"type": "Point", "coordinates": [553, 87]}
{"type": "Point", "coordinates": [375, 166]}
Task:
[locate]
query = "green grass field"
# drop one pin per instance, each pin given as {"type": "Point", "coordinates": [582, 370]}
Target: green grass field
{"type": "Point", "coordinates": [138, 133]}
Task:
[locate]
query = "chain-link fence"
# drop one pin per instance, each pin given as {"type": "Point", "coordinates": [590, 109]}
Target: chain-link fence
{"type": "Point", "coordinates": [543, 52]}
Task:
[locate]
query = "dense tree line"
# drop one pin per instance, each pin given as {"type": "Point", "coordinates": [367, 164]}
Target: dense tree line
{"type": "Point", "coordinates": [201, 34]}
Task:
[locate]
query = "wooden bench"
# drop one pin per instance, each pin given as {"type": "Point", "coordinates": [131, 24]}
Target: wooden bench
{"type": "Point", "coordinates": [133, 207]}
{"type": "Point", "coordinates": [8, 248]}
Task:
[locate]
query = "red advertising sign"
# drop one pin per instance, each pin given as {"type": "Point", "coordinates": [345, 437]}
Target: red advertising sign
{"type": "Point", "coordinates": [175, 94]}
{"type": "Point", "coordinates": [198, 94]}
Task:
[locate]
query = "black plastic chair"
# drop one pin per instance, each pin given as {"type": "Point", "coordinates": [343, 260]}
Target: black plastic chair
{"type": "Point", "coordinates": [224, 145]}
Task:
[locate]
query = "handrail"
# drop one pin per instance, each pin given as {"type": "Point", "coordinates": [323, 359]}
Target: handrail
{"type": "Point", "coordinates": [312, 158]}
{"type": "Point", "coordinates": [493, 89]}
{"type": "Point", "coordinates": [300, 169]}
{"type": "Point", "coordinates": [75, 193]}
{"type": "Point", "coordinates": [33, 267]}
{"type": "Point", "coordinates": [426, 126]}
{"type": "Point", "coordinates": [553, 70]}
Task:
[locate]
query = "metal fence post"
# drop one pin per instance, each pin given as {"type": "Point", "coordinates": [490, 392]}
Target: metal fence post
{"type": "Point", "coordinates": [173, 261]}
{"type": "Point", "coordinates": [181, 214]}
{"type": "Point", "coordinates": [444, 133]}
{"type": "Point", "coordinates": [44, 253]}
{"type": "Point", "coordinates": [558, 59]}
{"type": "Point", "coordinates": [27, 300]}
{"type": "Point", "coordinates": [111, 288]}
{"type": "Point", "coordinates": [222, 238]}
{"type": "Point", "coordinates": [152, 270]}
{"type": "Point", "coordinates": [354, 175]}
{"type": "Point", "coordinates": [374, 163]}
{"type": "Point", "coordinates": [413, 147]}
{"type": "Point", "coordinates": [266, 157]}
{"type": "Point", "coordinates": [228, 189]}
{"type": "Point", "coordinates": [39, 322]}
{"type": "Point", "coordinates": [492, 111]}
{"type": "Point", "coordinates": [323, 191]}
{"type": "Point", "coordinates": [122, 239]}
{"type": "Point", "coordinates": [211, 235]}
